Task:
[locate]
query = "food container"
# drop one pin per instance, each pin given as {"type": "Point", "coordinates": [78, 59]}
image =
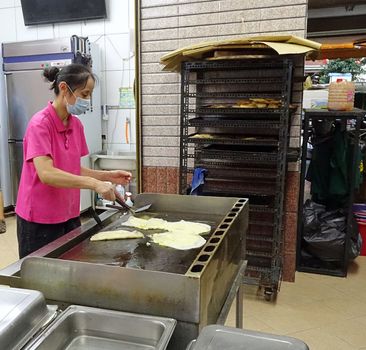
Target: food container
{"type": "Point", "coordinates": [22, 314]}
{"type": "Point", "coordinates": [341, 95]}
{"type": "Point", "coordinates": [218, 338]}
{"type": "Point", "coordinates": [91, 328]}
{"type": "Point", "coordinates": [27, 323]}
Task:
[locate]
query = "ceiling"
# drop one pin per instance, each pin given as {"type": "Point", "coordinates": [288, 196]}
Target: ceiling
{"type": "Point", "coordinates": [327, 18]}
{"type": "Point", "coordinates": [316, 4]}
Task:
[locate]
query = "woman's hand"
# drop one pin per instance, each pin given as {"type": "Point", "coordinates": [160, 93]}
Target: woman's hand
{"type": "Point", "coordinates": [106, 190]}
{"type": "Point", "coordinates": [119, 177]}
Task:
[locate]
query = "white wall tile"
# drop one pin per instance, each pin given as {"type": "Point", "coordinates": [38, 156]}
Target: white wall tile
{"type": "Point", "coordinates": [115, 80]}
{"type": "Point", "coordinates": [92, 27]}
{"type": "Point", "coordinates": [66, 30]}
{"type": "Point", "coordinates": [17, 3]}
{"type": "Point", "coordinates": [131, 13]}
{"type": "Point", "coordinates": [117, 52]}
{"type": "Point", "coordinates": [117, 21]}
{"type": "Point", "coordinates": [132, 77]}
{"type": "Point", "coordinates": [120, 147]}
{"type": "Point", "coordinates": [103, 87]}
{"type": "Point", "coordinates": [6, 3]}
{"type": "Point", "coordinates": [132, 62]}
{"type": "Point", "coordinates": [23, 32]}
{"type": "Point", "coordinates": [46, 31]}
{"type": "Point", "coordinates": [116, 125]}
{"type": "Point", "coordinates": [133, 126]}
{"type": "Point", "coordinates": [100, 41]}
{"type": "Point", "coordinates": [7, 20]}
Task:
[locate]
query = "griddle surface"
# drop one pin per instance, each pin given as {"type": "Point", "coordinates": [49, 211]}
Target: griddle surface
{"type": "Point", "coordinates": [134, 253]}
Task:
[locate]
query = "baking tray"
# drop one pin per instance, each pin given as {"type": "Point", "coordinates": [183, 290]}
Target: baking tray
{"type": "Point", "coordinates": [232, 139]}
{"type": "Point", "coordinates": [241, 154]}
{"type": "Point", "coordinates": [81, 327]}
{"type": "Point", "coordinates": [240, 173]}
{"type": "Point", "coordinates": [247, 187]}
{"type": "Point", "coordinates": [258, 127]}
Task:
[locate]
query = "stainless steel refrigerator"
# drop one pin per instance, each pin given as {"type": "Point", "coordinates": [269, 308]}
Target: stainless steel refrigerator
{"type": "Point", "coordinates": [27, 92]}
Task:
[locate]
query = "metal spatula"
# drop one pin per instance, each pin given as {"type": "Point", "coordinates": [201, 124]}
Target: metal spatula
{"type": "Point", "coordinates": [132, 211]}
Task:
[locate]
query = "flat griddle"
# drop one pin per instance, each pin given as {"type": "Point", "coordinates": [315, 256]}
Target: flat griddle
{"type": "Point", "coordinates": [136, 253]}
{"type": "Point", "coordinates": [73, 270]}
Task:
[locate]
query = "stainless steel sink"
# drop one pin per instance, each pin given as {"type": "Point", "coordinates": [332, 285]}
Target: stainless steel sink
{"type": "Point", "coordinates": [117, 160]}
{"type": "Point", "coordinates": [90, 328]}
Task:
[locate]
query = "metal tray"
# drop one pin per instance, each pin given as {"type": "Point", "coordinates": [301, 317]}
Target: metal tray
{"type": "Point", "coordinates": [219, 338]}
{"type": "Point", "coordinates": [245, 187]}
{"type": "Point", "coordinates": [82, 327]}
{"type": "Point", "coordinates": [23, 313]}
{"type": "Point", "coordinates": [232, 139]}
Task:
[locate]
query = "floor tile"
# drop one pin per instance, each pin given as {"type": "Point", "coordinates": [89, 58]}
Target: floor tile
{"type": "Point", "coordinates": [318, 339]}
{"type": "Point", "coordinates": [352, 331]}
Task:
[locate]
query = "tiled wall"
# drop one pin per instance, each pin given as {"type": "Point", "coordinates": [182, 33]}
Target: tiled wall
{"type": "Point", "coordinates": [170, 24]}
{"type": "Point", "coordinates": [113, 37]}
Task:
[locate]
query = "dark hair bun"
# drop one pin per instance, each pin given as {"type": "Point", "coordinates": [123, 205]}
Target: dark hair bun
{"type": "Point", "coordinates": [51, 73]}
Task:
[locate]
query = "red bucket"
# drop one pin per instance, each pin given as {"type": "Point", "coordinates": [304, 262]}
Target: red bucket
{"type": "Point", "coordinates": [362, 229]}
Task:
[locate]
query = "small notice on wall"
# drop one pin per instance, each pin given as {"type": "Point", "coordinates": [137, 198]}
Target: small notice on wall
{"type": "Point", "coordinates": [126, 98]}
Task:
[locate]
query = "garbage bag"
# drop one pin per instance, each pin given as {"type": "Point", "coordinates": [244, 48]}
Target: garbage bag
{"type": "Point", "coordinates": [356, 241]}
{"type": "Point", "coordinates": [325, 232]}
{"type": "Point", "coordinates": [327, 243]}
{"type": "Point", "coordinates": [311, 213]}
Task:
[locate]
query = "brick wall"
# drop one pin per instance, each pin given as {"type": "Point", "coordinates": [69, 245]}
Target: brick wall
{"type": "Point", "coordinates": [170, 24]}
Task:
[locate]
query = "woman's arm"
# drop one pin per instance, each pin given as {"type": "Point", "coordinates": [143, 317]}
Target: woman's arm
{"type": "Point", "coordinates": [55, 177]}
{"type": "Point", "coordinates": [100, 175]}
{"type": "Point", "coordinates": [115, 176]}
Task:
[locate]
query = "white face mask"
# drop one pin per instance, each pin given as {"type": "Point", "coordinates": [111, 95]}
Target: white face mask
{"type": "Point", "coordinates": [80, 106]}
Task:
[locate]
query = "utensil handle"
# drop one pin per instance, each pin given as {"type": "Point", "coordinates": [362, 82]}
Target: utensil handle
{"type": "Point", "coordinates": [115, 207]}
{"type": "Point", "coordinates": [124, 205]}
{"type": "Point", "coordinates": [95, 216]}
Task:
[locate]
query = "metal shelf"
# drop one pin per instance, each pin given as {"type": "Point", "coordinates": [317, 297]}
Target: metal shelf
{"type": "Point", "coordinates": [246, 165]}
{"type": "Point", "coordinates": [261, 223]}
{"type": "Point", "coordinates": [243, 111]}
{"type": "Point", "coordinates": [342, 116]}
{"type": "Point", "coordinates": [241, 173]}
{"type": "Point", "coordinates": [233, 140]}
{"type": "Point", "coordinates": [324, 113]}
{"type": "Point", "coordinates": [258, 268]}
{"type": "Point", "coordinates": [234, 64]}
{"type": "Point", "coordinates": [260, 238]}
{"type": "Point", "coordinates": [261, 209]}
{"type": "Point", "coordinates": [224, 164]}
{"type": "Point", "coordinates": [338, 272]}
{"type": "Point", "coordinates": [259, 254]}
{"type": "Point", "coordinates": [232, 95]}
{"type": "Point", "coordinates": [235, 187]}
{"type": "Point", "coordinates": [240, 157]}
{"type": "Point", "coordinates": [264, 80]}
{"type": "Point", "coordinates": [260, 126]}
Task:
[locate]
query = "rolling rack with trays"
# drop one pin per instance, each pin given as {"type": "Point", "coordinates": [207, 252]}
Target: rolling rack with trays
{"type": "Point", "coordinates": [235, 124]}
{"type": "Point", "coordinates": [344, 117]}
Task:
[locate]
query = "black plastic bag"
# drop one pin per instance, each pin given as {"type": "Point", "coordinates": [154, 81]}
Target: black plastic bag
{"type": "Point", "coordinates": [311, 213]}
{"type": "Point", "coordinates": [327, 243]}
{"type": "Point", "coordinates": [325, 231]}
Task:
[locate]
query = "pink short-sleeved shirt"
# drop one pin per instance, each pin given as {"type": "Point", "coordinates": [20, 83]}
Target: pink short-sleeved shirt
{"type": "Point", "coordinates": [46, 135]}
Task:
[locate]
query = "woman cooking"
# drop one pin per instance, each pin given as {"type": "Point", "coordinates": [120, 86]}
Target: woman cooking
{"type": "Point", "coordinates": [48, 203]}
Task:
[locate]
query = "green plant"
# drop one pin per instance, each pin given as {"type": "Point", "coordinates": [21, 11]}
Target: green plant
{"type": "Point", "coordinates": [350, 65]}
